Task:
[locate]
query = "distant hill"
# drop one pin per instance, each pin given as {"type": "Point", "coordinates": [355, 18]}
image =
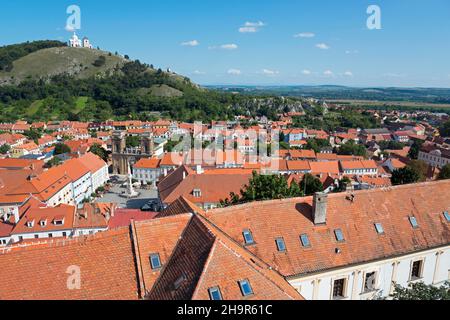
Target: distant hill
{"type": "Point", "coordinates": [333, 92]}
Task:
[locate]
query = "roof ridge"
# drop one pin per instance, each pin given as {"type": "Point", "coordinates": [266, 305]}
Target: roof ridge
{"type": "Point", "coordinates": [330, 195]}
{"type": "Point", "coordinates": [58, 243]}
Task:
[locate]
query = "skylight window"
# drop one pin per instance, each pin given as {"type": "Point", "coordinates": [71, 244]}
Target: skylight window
{"type": "Point", "coordinates": [413, 222]}
{"type": "Point", "coordinates": [215, 294]}
{"type": "Point", "coordinates": [447, 216]}
{"type": "Point", "coordinates": [248, 237]}
{"type": "Point", "coordinates": [281, 245]}
{"type": "Point", "coordinates": [305, 240]}
{"type": "Point", "coordinates": [155, 261]}
{"type": "Point", "coordinates": [379, 228]}
{"type": "Point", "coordinates": [339, 235]}
{"type": "Point", "coordinates": [246, 288]}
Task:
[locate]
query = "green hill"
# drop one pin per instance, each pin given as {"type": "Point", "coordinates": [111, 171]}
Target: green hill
{"type": "Point", "coordinates": [76, 62]}
{"type": "Point", "coordinates": [46, 80]}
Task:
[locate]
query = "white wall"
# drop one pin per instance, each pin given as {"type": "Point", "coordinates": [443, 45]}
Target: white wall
{"type": "Point", "coordinates": [320, 286]}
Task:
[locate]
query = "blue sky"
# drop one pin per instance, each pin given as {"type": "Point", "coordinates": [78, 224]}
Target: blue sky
{"type": "Point", "coordinates": [203, 39]}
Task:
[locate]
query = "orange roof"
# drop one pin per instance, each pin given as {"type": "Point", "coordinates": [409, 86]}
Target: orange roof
{"type": "Point", "coordinates": [93, 162]}
{"type": "Point", "coordinates": [325, 167]}
{"type": "Point", "coordinates": [360, 164]}
{"type": "Point", "coordinates": [27, 146]}
{"type": "Point", "coordinates": [214, 187]}
{"type": "Point", "coordinates": [356, 219]}
{"type": "Point", "coordinates": [147, 164]}
{"type": "Point", "coordinates": [42, 263]}
{"type": "Point", "coordinates": [298, 165]}
{"type": "Point", "coordinates": [302, 154]}
{"type": "Point", "coordinates": [47, 214]}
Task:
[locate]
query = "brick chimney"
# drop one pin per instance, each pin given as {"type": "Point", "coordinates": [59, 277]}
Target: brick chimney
{"type": "Point", "coordinates": [320, 202]}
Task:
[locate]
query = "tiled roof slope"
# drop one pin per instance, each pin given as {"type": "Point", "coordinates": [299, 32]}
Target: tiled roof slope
{"type": "Point", "coordinates": [205, 258]}
{"type": "Point", "coordinates": [158, 236]}
{"type": "Point", "coordinates": [39, 272]}
{"type": "Point", "coordinates": [179, 278]}
{"type": "Point", "coordinates": [291, 218]}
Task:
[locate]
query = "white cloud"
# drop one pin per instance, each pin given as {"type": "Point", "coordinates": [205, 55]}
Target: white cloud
{"type": "Point", "coordinates": [270, 72]}
{"type": "Point", "coordinates": [197, 72]}
{"type": "Point", "coordinates": [328, 73]}
{"type": "Point", "coordinates": [322, 46]}
{"type": "Point", "coordinates": [248, 29]}
{"type": "Point", "coordinates": [352, 52]}
{"type": "Point", "coordinates": [348, 74]}
{"type": "Point", "coordinates": [251, 27]}
{"type": "Point", "coordinates": [192, 43]}
{"type": "Point", "coordinates": [306, 72]}
{"type": "Point", "coordinates": [230, 46]}
{"type": "Point", "coordinates": [234, 72]}
{"type": "Point", "coordinates": [305, 35]}
{"type": "Point", "coordinates": [258, 24]}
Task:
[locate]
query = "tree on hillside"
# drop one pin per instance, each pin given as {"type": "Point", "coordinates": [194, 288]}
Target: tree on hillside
{"type": "Point", "coordinates": [352, 149]}
{"type": "Point", "coordinates": [421, 291]}
{"type": "Point", "coordinates": [4, 149]}
{"type": "Point", "coordinates": [310, 185]}
{"type": "Point", "coordinates": [445, 173]}
{"type": "Point", "coordinates": [444, 130]}
{"type": "Point", "coordinates": [133, 142]}
{"type": "Point", "coordinates": [264, 187]}
{"type": "Point", "coordinates": [61, 148]}
{"type": "Point", "coordinates": [99, 151]}
{"type": "Point", "coordinates": [33, 135]}
{"type": "Point", "coordinates": [414, 151]}
{"type": "Point", "coordinates": [317, 144]}
{"type": "Point", "coordinates": [421, 167]}
{"type": "Point", "coordinates": [406, 175]}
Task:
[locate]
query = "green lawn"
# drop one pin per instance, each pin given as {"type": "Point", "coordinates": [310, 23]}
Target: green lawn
{"type": "Point", "coordinates": [80, 104]}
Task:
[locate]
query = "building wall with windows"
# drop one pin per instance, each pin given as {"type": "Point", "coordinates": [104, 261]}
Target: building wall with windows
{"type": "Point", "coordinates": [434, 269]}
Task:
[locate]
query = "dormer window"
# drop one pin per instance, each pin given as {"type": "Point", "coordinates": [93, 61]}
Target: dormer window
{"type": "Point", "coordinates": [30, 224]}
{"type": "Point", "coordinates": [43, 223]}
{"type": "Point", "coordinates": [339, 235]}
{"type": "Point", "coordinates": [58, 221]}
{"type": "Point", "coordinates": [447, 216]}
{"type": "Point", "coordinates": [248, 237]}
{"type": "Point", "coordinates": [379, 228]}
{"type": "Point", "coordinates": [197, 193]}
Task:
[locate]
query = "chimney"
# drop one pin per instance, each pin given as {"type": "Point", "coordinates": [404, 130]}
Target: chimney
{"type": "Point", "coordinates": [320, 202]}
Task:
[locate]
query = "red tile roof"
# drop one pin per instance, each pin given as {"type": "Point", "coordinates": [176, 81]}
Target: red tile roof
{"type": "Point", "coordinates": [40, 272]}
{"type": "Point", "coordinates": [293, 217]}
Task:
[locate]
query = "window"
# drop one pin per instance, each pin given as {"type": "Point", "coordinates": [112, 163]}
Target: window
{"type": "Point", "coordinates": [339, 288]}
{"type": "Point", "coordinates": [36, 236]}
{"type": "Point", "coordinates": [305, 240]}
{"type": "Point", "coordinates": [246, 289]}
{"type": "Point", "coordinates": [248, 237]}
{"type": "Point", "coordinates": [339, 235]}
{"type": "Point", "coordinates": [155, 261]}
{"type": "Point", "coordinates": [413, 222]}
{"type": "Point", "coordinates": [280, 244]}
{"type": "Point", "coordinates": [416, 270]}
{"type": "Point", "coordinates": [50, 235]}
{"type": "Point", "coordinates": [197, 193]}
{"type": "Point", "coordinates": [379, 228]}
{"type": "Point", "coordinates": [215, 294]}
{"type": "Point", "coordinates": [370, 281]}
{"type": "Point", "coordinates": [447, 216]}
